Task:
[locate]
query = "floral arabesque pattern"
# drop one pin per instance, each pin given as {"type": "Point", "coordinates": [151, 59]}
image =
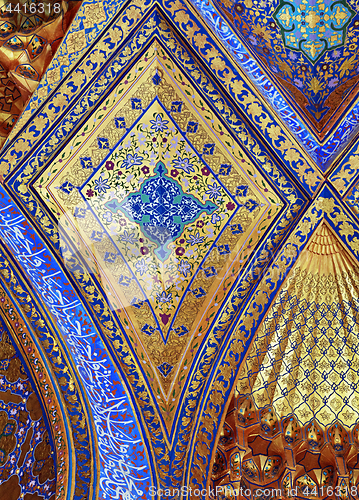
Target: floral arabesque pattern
{"type": "Point", "coordinates": [157, 243]}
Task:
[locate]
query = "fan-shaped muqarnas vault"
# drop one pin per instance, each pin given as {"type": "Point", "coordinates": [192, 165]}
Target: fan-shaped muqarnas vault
{"type": "Point", "coordinates": [293, 423]}
{"type": "Point", "coordinates": [179, 245]}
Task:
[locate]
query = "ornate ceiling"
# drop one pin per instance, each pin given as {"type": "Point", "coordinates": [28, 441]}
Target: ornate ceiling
{"type": "Point", "coordinates": [308, 50]}
{"type": "Point", "coordinates": [171, 240]}
{"type": "Point", "coordinates": [303, 59]}
{"type": "Point", "coordinates": [30, 33]}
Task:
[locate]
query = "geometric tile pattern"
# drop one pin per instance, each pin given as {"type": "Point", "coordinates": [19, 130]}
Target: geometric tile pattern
{"type": "Point", "coordinates": [26, 447]}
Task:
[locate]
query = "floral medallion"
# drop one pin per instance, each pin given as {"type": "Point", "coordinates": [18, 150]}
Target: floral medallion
{"type": "Point", "coordinates": [161, 208]}
{"type": "Point", "coordinates": [315, 28]}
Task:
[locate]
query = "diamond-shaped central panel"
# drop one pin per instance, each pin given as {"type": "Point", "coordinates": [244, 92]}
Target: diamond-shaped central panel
{"type": "Point", "coordinates": [162, 209]}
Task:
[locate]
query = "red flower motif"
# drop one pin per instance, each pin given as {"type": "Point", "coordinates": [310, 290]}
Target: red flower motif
{"type": "Point", "coordinates": [119, 172]}
{"type": "Point", "coordinates": [205, 171]}
{"type": "Point", "coordinates": [230, 206]}
{"type": "Point", "coordinates": [180, 251]}
{"type": "Point", "coordinates": [200, 223]}
{"type": "Point", "coordinates": [89, 193]}
{"type": "Point", "coordinates": [122, 222]}
{"type": "Point", "coordinates": [174, 172]}
{"type": "Point", "coordinates": [109, 165]}
{"type": "Point", "coordinates": [145, 170]}
{"type": "Point", "coordinates": [144, 250]}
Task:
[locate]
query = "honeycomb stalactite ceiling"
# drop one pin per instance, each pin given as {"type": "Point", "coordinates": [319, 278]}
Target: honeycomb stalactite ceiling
{"type": "Point", "coordinates": [30, 33]}
{"type": "Point", "coordinates": [304, 357]}
{"type": "Point", "coordinates": [27, 467]}
{"type": "Point", "coordinates": [294, 418]}
{"type": "Point", "coordinates": [263, 452]}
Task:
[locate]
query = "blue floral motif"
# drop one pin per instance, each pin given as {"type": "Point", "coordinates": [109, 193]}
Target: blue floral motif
{"type": "Point", "coordinates": [225, 169]}
{"type": "Point", "coordinates": [141, 267]}
{"type": "Point", "coordinates": [176, 106]}
{"type": "Point", "coordinates": [208, 149]}
{"type": "Point", "coordinates": [120, 122]}
{"type": "Point", "coordinates": [107, 216]}
{"type": "Point", "coordinates": [124, 280]}
{"type": "Point", "coordinates": [97, 235]}
{"type": "Point", "coordinates": [224, 249]}
{"type": "Point", "coordinates": [128, 238]}
{"type": "Point", "coordinates": [136, 103]}
{"type": "Point", "coordinates": [195, 239]}
{"type": "Point", "coordinates": [101, 185]}
{"type": "Point", "coordinates": [181, 330]}
{"type": "Point", "coordinates": [242, 190]}
{"type": "Point", "coordinates": [131, 160]}
{"type": "Point", "coordinates": [198, 292]}
{"type": "Point", "coordinates": [236, 229]}
{"type": "Point", "coordinates": [67, 187]}
{"type": "Point", "coordinates": [103, 143]}
{"type": "Point", "coordinates": [164, 297]}
{"type": "Point", "coordinates": [156, 79]}
{"type": "Point", "coordinates": [183, 164]}
{"type": "Point", "coordinates": [148, 329]}
{"type": "Point", "coordinates": [165, 368]}
{"type": "Point", "coordinates": [80, 213]}
{"type": "Point", "coordinates": [192, 127]}
{"type": "Point", "coordinates": [251, 205]}
{"type": "Point", "coordinates": [159, 124]}
{"type": "Point", "coordinates": [162, 209]}
{"type": "Point", "coordinates": [86, 163]}
{"type": "Point", "coordinates": [110, 257]}
{"type": "Point", "coordinates": [214, 190]}
{"type": "Point", "coordinates": [215, 218]}
{"type": "Point", "coordinates": [209, 272]}
{"type": "Point", "coordinates": [184, 268]}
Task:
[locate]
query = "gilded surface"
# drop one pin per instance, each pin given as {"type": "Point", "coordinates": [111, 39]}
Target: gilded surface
{"type": "Point", "coordinates": [160, 274]}
{"type": "Point", "coordinates": [326, 207]}
{"type": "Point", "coordinates": [297, 395]}
{"type": "Point", "coordinates": [23, 427]}
{"type": "Point", "coordinates": [303, 359]}
{"type": "Point", "coordinates": [165, 191]}
{"type": "Point", "coordinates": [30, 35]}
